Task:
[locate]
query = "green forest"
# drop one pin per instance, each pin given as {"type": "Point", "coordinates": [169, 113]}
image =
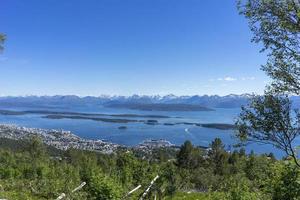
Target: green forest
{"type": "Point", "coordinates": [31, 170]}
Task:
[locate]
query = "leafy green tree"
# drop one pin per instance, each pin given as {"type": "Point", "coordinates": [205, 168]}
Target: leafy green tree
{"type": "Point", "coordinates": [168, 180]}
{"type": "Point", "coordinates": [36, 148]}
{"type": "Point", "coordinates": [269, 120]}
{"type": "Point", "coordinates": [240, 188]}
{"type": "Point", "coordinates": [256, 168]}
{"type": "Point", "coordinates": [284, 182]}
{"type": "Point", "coordinates": [276, 24]}
{"type": "Point", "coordinates": [204, 179]}
{"type": "Point", "coordinates": [101, 187]}
{"type": "Point", "coordinates": [124, 168]}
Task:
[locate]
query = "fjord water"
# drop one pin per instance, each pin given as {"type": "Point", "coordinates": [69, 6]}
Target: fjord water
{"type": "Point", "coordinates": [137, 132]}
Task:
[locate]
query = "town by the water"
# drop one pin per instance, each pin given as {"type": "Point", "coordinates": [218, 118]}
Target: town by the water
{"type": "Point", "coordinates": [65, 140]}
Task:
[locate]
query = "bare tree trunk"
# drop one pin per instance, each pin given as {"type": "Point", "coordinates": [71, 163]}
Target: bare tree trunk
{"type": "Point", "coordinates": [148, 189]}
{"type": "Point", "coordinates": [132, 191]}
{"type": "Point", "coordinates": [63, 195]}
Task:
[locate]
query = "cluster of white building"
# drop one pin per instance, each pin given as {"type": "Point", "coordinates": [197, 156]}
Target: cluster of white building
{"type": "Point", "coordinates": [64, 140]}
{"type": "Point", "coordinates": [154, 144]}
{"type": "Point", "coordinates": [58, 138]}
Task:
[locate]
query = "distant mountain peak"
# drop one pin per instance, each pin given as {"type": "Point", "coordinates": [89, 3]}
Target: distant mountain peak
{"type": "Point", "coordinates": [212, 101]}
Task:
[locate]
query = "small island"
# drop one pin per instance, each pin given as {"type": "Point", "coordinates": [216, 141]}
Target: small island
{"type": "Point", "coordinates": [49, 112]}
{"type": "Point", "coordinates": [114, 120]}
{"type": "Point", "coordinates": [219, 126]}
{"type": "Point", "coordinates": [122, 127]}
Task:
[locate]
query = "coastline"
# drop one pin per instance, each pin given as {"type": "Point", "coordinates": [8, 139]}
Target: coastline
{"type": "Point", "coordinates": [64, 140]}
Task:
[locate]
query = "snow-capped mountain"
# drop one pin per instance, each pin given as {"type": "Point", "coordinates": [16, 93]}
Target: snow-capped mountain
{"type": "Point", "coordinates": [214, 101]}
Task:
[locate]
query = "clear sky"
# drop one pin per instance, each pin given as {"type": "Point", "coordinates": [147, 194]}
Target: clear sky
{"type": "Point", "coordinates": [125, 47]}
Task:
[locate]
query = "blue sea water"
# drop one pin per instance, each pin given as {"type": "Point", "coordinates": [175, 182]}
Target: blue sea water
{"type": "Point", "coordinates": [137, 132]}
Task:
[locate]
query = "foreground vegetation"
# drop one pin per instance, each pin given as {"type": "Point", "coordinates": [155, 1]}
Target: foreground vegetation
{"type": "Point", "coordinates": [34, 171]}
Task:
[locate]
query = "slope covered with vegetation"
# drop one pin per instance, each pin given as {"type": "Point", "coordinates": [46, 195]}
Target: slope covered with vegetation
{"type": "Point", "coordinates": [33, 171]}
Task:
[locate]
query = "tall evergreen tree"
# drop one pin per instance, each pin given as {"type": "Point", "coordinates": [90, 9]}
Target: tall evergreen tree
{"type": "Point", "coordinates": [184, 155]}
{"type": "Point", "coordinates": [218, 156]}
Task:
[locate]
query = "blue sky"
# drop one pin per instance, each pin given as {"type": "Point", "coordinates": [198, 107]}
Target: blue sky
{"type": "Point", "coordinates": [125, 47]}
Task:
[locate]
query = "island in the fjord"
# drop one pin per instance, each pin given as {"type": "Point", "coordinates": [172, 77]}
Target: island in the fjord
{"type": "Point", "coordinates": [48, 112]}
{"type": "Point", "coordinates": [220, 126]}
{"type": "Point", "coordinates": [122, 118]}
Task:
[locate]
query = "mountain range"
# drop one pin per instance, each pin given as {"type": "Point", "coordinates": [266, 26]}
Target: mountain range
{"type": "Point", "coordinates": [69, 101]}
{"type": "Point", "coordinates": [214, 101]}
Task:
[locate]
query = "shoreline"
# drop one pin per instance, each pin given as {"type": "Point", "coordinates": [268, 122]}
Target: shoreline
{"type": "Point", "coordinates": [64, 140]}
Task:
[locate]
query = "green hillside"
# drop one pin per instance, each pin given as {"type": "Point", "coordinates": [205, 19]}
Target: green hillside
{"type": "Point", "coordinates": [33, 171]}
